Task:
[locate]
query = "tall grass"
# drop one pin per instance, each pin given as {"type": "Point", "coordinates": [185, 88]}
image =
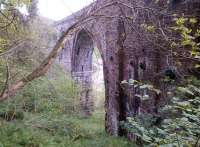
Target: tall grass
{"type": "Point", "coordinates": [45, 114]}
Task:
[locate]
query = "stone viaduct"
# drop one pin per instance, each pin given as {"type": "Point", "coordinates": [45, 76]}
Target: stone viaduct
{"type": "Point", "coordinates": [127, 51]}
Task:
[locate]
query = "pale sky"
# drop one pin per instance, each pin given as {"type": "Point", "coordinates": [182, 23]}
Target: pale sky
{"type": "Point", "coordinates": [58, 9]}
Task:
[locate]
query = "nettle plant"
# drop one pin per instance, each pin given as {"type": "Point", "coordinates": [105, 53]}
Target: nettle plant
{"type": "Point", "coordinates": [178, 122]}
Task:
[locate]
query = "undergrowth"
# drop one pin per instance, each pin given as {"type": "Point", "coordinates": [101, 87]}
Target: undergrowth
{"type": "Point", "coordinates": [45, 114]}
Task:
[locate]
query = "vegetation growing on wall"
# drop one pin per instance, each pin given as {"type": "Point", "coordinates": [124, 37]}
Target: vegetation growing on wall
{"type": "Point", "coordinates": [177, 122]}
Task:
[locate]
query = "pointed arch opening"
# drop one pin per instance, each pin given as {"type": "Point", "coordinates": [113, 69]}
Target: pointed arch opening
{"type": "Point", "coordinates": [87, 71]}
{"type": "Point", "coordinates": [82, 52]}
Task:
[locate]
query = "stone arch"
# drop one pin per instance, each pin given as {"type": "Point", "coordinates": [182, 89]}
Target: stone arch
{"type": "Point", "coordinates": [82, 51]}
{"type": "Point", "coordinates": [81, 67]}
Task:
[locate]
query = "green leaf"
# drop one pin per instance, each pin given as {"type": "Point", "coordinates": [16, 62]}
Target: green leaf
{"type": "Point", "coordinates": [132, 82]}
{"type": "Point", "coordinates": [124, 82]}
{"type": "Point", "coordinates": [193, 20]}
{"type": "Point", "coordinates": [185, 103]}
{"type": "Point", "coordinates": [185, 90]}
{"type": "Point", "coordinates": [146, 86]}
{"type": "Point", "coordinates": [197, 66]}
{"type": "Point", "coordinates": [146, 138]}
{"type": "Point", "coordinates": [145, 97]}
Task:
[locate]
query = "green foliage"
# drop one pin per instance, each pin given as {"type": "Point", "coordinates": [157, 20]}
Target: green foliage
{"type": "Point", "coordinates": [178, 123]}
{"type": "Point", "coordinates": [45, 114]}
{"type": "Point", "coordinates": [148, 28]}
{"type": "Point", "coordinates": [146, 88]}
{"type": "Point", "coordinates": [11, 27]}
{"type": "Point", "coordinates": [3, 44]}
{"type": "Point", "coordinates": [15, 3]}
{"type": "Point", "coordinates": [46, 95]}
{"type": "Point", "coordinates": [188, 29]}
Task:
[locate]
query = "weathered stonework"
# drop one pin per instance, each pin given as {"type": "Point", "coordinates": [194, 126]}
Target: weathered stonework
{"type": "Point", "coordinates": [127, 53]}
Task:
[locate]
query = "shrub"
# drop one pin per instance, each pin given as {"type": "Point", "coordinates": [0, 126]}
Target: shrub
{"type": "Point", "coordinates": [178, 123]}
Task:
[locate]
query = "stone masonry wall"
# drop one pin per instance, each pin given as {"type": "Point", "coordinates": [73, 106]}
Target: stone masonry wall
{"type": "Point", "coordinates": [127, 53]}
